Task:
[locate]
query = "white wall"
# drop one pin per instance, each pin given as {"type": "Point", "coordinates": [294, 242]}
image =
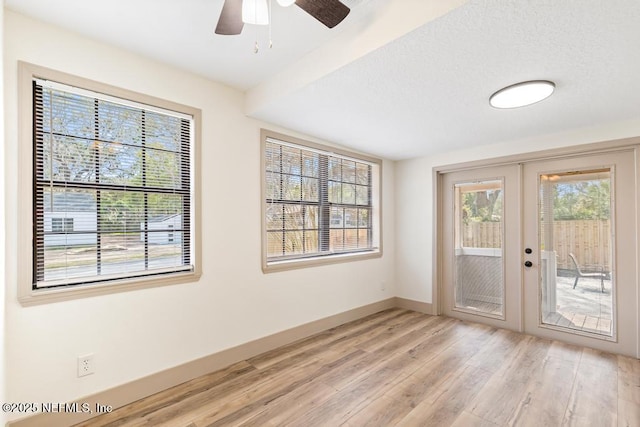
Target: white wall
{"type": "Point", "coordinates": [2, 230]}
{"type": "Point", "coordinates": [138, 333]}
{"type": "Point", "coordinates": [414, 194]}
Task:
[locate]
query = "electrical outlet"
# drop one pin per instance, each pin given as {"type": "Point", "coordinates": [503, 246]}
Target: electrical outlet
{"type": "Point", "coordinates": [85, 365]}
{"type": "Point", "coordinates": [383, 285]}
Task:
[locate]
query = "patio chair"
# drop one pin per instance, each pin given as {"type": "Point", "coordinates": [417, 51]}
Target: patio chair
{"type": "Point", "coordinates": [579, 273]}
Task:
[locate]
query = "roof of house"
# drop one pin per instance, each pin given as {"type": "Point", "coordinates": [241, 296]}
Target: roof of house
{"type": "Point", "coordinates": [164, 218]}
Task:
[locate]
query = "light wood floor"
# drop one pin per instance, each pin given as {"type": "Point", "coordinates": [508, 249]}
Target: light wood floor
{"type": "Point", "coordinates": [399, 367]}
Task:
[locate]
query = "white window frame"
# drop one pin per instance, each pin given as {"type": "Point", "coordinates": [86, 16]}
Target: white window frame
{"type": "Point", "coordinates": [304, 261]}
{"type": "Point", "coordinates": [28, 293]}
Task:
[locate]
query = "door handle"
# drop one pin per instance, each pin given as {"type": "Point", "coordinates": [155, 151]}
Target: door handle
{"type": "Point", "coordinates": [528, 264]}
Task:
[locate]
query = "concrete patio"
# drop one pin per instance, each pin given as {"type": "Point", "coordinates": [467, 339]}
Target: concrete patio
{"type": "Point", "coordinates": [584, 308]}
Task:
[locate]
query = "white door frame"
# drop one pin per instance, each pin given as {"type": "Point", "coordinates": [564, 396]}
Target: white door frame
{"type": "Point", "coordinates": [439, 171]}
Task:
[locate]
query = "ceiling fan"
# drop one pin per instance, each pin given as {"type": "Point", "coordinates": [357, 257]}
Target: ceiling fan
{"type": "Point", "coordinates": [235, 13]}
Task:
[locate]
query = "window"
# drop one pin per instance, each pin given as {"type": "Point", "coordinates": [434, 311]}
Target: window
{"type": "Point", "coordinates": [113, 185]}
{"type": "Point", "coordinates": [320, 204]}
{"type": "Point", "coordinates": [61, 225]}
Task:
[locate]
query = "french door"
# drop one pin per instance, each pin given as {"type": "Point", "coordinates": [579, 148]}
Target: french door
{"type": "Point", "coordinates": [547, 247]}
{"type": "Point", "coordinates": [482, 269]}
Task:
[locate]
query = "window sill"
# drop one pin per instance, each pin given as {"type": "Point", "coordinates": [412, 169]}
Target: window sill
{"type": "Point", "coordinates": [44, 296]}
{"type": "Point", "coordinates": [293, 264]}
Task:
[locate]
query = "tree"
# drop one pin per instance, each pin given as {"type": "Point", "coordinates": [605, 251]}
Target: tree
{"type": "Point", "coordinates": [85, 140]}
{"type": "Point", "coordinates": [575, 200]}
{"type": "Point", "coordinates": [482, 206]}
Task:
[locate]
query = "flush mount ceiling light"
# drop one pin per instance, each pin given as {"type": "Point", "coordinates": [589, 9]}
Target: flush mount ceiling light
{"type": "Point", "coordinates": [522, 94]}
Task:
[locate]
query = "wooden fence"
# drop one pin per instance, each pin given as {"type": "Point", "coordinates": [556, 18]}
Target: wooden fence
{"type": "Point", "coordinates": [588, 240]}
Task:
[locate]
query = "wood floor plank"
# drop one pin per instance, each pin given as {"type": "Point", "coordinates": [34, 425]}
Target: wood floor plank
{"type": "Point", "coordinates": [349, 373]}
{"type": "Point", "coordinates": [594, 397]}
{"type": "Point", "coordinates": [628, 414]}
{"type": "Point", "coordinates": [599, 359]}
{"type": "Point", "coordinates": [236, 409]}
{"type": "Point", "coordinates": [132, 414]}
{"type": "Point", "coordinates": [274, 393]}
{"type": "Point", "coordinates": [351, 329]}
{"type": "Point", "coordinates": [395, 330]}
{"type": "Point", "coordinates": [500, 346]}
{"type": "Point", "coordinates": [291, 406]}
{"type": "Point", "coordinates": [467, 419]}
{"type": "Point", "coordinates": [421, 384]}
{"type": "Point", "coordinates": [358, 394]}
{"type": "Point", "coordinates": [348, 342]}
{"type": "Point", "coordinates": [629, 379]}
{"type": "Point", "coordinates": [452, 398]}
{"type": "Point", "coordinates": [564, 351]}
{"type": "Point", "coordinates": [554, 378]}
{"type": "Point", "coordinates": [382, 333]}
{"type": "Point", "coordinates": [216, 400]}
{"type": "Point", "coordinates": [507, 388]}
{"type": "Point", "coordinates": [255, 402]}
{"type": "Point", "coordinates": [400, 367]}
{"type": "Point", "coordinates": [206, 412]}
{"type": "Point", "coordinates": [383, 411]}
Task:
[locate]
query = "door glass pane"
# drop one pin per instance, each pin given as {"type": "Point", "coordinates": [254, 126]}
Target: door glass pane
{"type": "Point", "coordinates": [478, 269]}
{"type": "Point", "coordinates": [576, 252]}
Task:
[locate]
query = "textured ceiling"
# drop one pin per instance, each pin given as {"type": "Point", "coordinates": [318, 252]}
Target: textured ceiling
{"type": "Point", "coordinates": [428, 91]}
{"type": "Point", "coordinates": [181, 33]}
{"type": "Point", "coordinates": [415, 93]}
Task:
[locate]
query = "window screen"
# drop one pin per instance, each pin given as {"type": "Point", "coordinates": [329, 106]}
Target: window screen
{"type": "Point", "coordinates": [112, 188]}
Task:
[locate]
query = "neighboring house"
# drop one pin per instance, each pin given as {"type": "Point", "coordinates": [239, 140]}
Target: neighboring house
{"type": "Point", "coordinates": [66, 216]}
{"type": "Point", "coordinates": [350, 221]}
{"type": "Point", "coordinates": [161, 230]}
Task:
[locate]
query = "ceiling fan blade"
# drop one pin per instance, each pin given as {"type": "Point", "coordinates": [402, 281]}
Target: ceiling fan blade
{"type": "Point", "coordinates": [230, 21]}
{"type": "Point", "coordinates": [329, 12]}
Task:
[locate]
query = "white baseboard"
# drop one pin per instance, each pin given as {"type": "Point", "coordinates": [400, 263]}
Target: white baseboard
{"type": "Point", "coordinates": [421, 307]}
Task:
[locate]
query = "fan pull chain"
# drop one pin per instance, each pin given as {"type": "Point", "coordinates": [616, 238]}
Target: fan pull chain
{"type": "Point", "coordinates": [270, 22]}
{"type": "Point", "coordinates": [256, 47]}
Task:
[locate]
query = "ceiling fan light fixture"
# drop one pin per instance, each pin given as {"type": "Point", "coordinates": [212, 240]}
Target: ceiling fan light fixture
{"type": "Point", "coordinates": [255, 12]}
{"type": "Point", "coordinates": [286, 3]}
{"type": "Point", "coordinates": [522, 94]}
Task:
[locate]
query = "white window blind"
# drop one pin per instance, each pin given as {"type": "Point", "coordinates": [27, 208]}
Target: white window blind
{"type": "Point", "coordinates": [112, 188]}
{"type": "Point", "coordinates": [317, 203]}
